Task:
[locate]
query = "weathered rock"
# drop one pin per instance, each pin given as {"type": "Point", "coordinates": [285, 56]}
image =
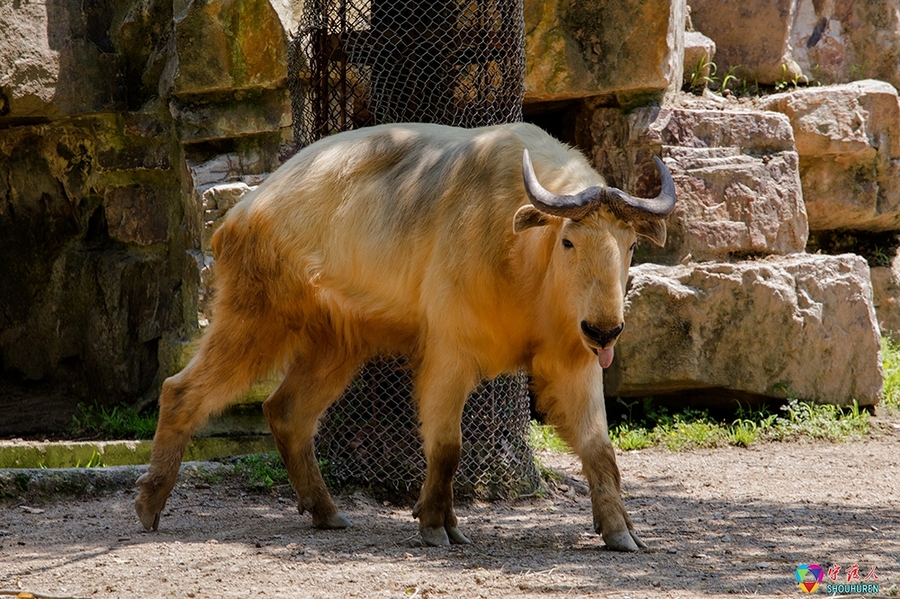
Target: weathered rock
{"type": "Point", "coordinates": [837, 42]}
{"type": "Point", "coordinates": [699, 52]}
{"type": "Point", "coordinates": [218, 116]}
{"type": "Point", "coordinates": [225, 45]}
{"type": "Point", "coordinates": [752, 37]}
{"type": "Point", "coordinates": [136, 214]}
{"type": "Point", "coordinates": [580, 48]}
{"type": "Point", "coordinates": [855, 118]}
{"type": "Point", "coordinates": [736, 175]}
{"type": "Point", "coordinates": [57, 59]}
{"type": "Point", "coordinates": [886, 294]}
{"type": "Point", "coordinates": [801, 326]}
{"type": "Point", "coordinates": [92, 281]}
{"type": "Point", "coordinates": [848, 138]}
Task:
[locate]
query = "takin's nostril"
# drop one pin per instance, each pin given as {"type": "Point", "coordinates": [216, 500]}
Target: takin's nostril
{"type": "Point", "coordinates": [602, 337]}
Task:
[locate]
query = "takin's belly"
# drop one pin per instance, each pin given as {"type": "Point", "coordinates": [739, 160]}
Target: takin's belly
{"type": "Point", "coordinates": [392, 324]}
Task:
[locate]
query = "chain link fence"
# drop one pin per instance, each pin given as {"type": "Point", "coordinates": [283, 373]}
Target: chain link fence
{"type": "Point", "coordinates": [370, 437]}
{"type": "Point", "coordinates": [355, 63]}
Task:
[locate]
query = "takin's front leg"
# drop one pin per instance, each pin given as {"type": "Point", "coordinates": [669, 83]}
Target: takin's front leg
{"type": "Point", "coordinates": [442, 391]}
{"type": "Point", "coordinates": [611, 520]}
{"type": "Point", "coordinates": [293, 410]}
{"type": "Point", "coordinates": [576, 408]}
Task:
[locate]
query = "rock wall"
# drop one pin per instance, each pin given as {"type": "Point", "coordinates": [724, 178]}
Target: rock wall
{"type": "Point", "coordinates": [128, 128]}
{"type": "Point", "coordinates": [818, 41]}
{"type": "Point", "coordinates": [114, 119]}
{"type": "Point", "coordinates": [760, 182]}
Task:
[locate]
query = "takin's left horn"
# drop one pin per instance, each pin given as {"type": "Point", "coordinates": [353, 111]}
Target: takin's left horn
{"type": "Point", "coordinates": [628, 207]}
{"type": "Point", "coordinates": [580, 205]}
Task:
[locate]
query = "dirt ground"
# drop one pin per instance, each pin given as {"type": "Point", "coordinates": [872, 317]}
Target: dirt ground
{"type": "Point", "coordinates": [718, 522]}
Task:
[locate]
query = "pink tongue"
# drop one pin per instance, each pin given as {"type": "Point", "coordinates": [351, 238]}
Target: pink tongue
{"type": "Point", "coordinates": [605, 357]}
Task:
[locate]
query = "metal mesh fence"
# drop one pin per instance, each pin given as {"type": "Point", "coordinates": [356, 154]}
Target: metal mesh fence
{"type": "Point", "coordinates": [363, 62]}
{"type": "Point", "coordinates": [370, 437]}
{"type": "Point", "coordinates": [355, 63]}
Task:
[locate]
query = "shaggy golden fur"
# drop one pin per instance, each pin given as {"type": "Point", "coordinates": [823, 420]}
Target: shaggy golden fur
{"type": "Point", "coordinates": [416, 239]}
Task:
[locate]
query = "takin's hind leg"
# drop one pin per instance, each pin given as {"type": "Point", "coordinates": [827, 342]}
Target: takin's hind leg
{"type": "Point", "coordinates": [442, 390]}
{"type": "Point", "coordinates": [293, 411]}
{"type": "Point", "coordinates": [232, 356]}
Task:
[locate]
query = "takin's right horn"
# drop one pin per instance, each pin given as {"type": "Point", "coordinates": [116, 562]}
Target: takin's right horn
{"type": "Point", "coordinates": [580, 205]}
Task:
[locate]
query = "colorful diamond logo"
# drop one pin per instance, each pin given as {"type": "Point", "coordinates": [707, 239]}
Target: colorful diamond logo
{"type": "Point", "coordinates": [809, 576]}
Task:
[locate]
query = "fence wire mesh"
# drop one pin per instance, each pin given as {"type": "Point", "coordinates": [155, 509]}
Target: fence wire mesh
{"type": "Point", "coordinates": [355, 63]}
{"type": "Point", "coordinates": [370, 437]}
{"type": "Point", "coordinates": [364, 62]}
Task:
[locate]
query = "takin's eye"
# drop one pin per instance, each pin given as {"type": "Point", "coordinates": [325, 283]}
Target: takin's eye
{"type": "Point", "coordinates": [633, 247]}
{"type": "Point", "coordinates": [567, 244]}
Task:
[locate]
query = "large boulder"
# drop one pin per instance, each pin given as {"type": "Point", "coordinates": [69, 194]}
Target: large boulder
{"type": "Point", "coordinates": [752, 37]}
{"type": "Point", "coordinates": [848, 138]}
{"type": "Point", "coordinates": [736, 173]}
{"type": "Point", "coordinates": [226, 45]}
{"type": "Point", "coordinates": [585, 48]}
{"type": "Point", "coordinates": [886, 294]}
{"type": "Point", "coordinates": [837, 42]}
{"type": "Point", "coordinates": [801, 326]}
{"type": "Point", "coordinates": [56, 58]}
{"type": "Point", "coordinates": [699, 52]}
{"type": "Point", "coordinates": [93, 281]}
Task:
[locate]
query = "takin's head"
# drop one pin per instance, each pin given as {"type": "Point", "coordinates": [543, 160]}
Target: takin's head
{"type": "Point", "coordinates": [594, 236]}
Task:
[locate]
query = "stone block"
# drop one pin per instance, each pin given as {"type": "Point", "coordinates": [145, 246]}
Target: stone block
{"type": "Point", "coordinates": [886, 293]}
{"type": "Point", "coordinates": [225, 45]}
{"type": "Point", "coordinates": [699, 52]}
{"type": "Point", "coordinates": [135, 142]}
{"type": "Point", "coordinates": [736, 175]}
{"type": "Point", "coordinates": [580, 48]}
{"type": "Point", "coordinates": [848, 138]}
{"type": "Point", "coordinates": [137, 214]}
{"type": "Point", "coordinates": [856, 118]}
{"type": "Point", "coordinates": [837, 42]}
{"type": "Point", "coordinates": [801, 326]}
{"type": "Point", "coordinates": [56, 59]}
{"type": "Point", "coordinates": [752, 37]}
{"type": "Point", "coordinates": [218, 116]}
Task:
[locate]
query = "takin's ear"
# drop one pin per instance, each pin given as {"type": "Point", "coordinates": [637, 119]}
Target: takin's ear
{"type": "Point", "coordinates": [654, 230]}
{"type": "Point", "coordinates": [528, 216]}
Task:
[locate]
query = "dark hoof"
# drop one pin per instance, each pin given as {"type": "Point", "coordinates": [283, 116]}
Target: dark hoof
{"type": "Point", "coordinates": [623, 540]}
{"type": "Point", "coordinates": [435, 536]}
{"type": "Point", "coordinates": [333, 522]}
{"type": "Point", "coordinates": [438, 536]}
{"type": "Point", "coordinates": [147, 509]}
{"type": "Point", "coordinates": [456, 537]}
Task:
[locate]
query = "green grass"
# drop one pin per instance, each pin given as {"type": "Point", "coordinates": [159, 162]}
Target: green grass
{"type": "Point", "coordinates": [813, 421]}
{"type": "Point", "coordinates": [890, 359]}
{"type": "Point", "coordinates": [696, 429]}
{"type": "Point", "coordinates": [544, 437]}
{"type": "Point", "coordinates": [262, 471]}
{"type": "Point", "coordinates": [628, 437]}
{"type": "Point", "coordinates": [117, 422]}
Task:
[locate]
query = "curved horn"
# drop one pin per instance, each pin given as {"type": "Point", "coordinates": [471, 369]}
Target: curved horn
{"type": "Point", "coordinates": [628, 207]}
{"type": "Point", "coordinates": [623, 205]}
{"type": "Point", "coordinates": [575, 207]}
